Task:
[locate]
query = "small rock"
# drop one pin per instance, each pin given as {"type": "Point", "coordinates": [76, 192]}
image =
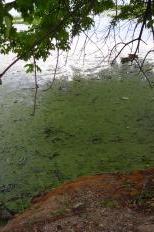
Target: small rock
{"type": "Point", "coordinates": [78, 208]}
{"type": "Point", "coordinates": [101, 225]}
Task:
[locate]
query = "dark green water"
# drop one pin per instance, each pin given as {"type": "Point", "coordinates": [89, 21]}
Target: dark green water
{"type": "Point", "coordinates": [93, 127]}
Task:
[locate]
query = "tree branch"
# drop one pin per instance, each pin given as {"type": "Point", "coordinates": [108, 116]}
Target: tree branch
{"type": "Point", "coordinates": [6, 69]}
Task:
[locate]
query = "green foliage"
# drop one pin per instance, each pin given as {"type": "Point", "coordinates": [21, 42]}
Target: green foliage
{"type": "Point", "coordinates": [30, 68]}
{"type": "Point", "coordinates": [52, 24]}
{"type": "Point", "coordinates": [138, 9]}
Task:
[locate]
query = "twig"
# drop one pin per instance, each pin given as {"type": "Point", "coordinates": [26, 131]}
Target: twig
{"type": "Point", "coordinates": [36, 88]}
{"type": "Point", "coordinates": [6, 69]}
{"type": "Point", "coordinates": [125, 44]}
{"type": "Point", "coordinates": [146, 57]}
{"type": "Point", "coordinates": [55, 72]}
{"type": "Point", "coordinates": [93, 43]}
{"type": "Point", "coordinates": [144, 73]}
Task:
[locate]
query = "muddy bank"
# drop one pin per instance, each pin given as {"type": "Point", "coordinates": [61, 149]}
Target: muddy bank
{"type": "Point", "coordinates": [123, 202]}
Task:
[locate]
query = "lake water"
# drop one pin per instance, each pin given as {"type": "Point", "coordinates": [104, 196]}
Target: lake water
{"type": "Point", "coordinates": [63, 140]}
{"type": "Point", "coordinates": [88, 55]}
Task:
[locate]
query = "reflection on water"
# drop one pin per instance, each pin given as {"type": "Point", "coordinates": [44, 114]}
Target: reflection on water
{"type": "Point", "coordinates": [88, 55]}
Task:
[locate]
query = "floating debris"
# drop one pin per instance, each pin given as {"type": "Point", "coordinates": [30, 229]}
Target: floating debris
{"type": "Point", "coordinates": [124, 98]}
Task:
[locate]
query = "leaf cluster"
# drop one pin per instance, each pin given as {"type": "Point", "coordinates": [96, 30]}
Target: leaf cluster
{"type": "Point", "coordinates": [52, 25]}
{"type": "Point", "coordinates": [142, 10]}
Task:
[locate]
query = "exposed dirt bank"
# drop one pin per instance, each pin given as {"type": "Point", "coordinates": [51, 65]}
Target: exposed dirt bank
{"type": "Point", "coordinates": [107, 202]}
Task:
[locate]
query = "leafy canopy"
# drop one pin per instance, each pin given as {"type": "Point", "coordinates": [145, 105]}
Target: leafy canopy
{"type": "Point", "coordinates": [53, 23]}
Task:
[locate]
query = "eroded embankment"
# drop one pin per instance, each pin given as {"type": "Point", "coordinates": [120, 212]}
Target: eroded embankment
{"type": "Point", "coordinates": [123, 202]}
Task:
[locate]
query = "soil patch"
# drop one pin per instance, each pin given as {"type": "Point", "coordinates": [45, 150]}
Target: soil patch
{"type": "Point", "coordinates": [106, 202]}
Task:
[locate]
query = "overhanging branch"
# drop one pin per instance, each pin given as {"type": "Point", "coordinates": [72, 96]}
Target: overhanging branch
{"type": "Point", "coordinates": [6, 69]}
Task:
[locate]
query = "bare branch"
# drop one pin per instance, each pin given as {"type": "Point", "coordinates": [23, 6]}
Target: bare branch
{"type": "Point", "coordinates": [36, 88]}
{"type": "Point", "coordinates": [125, 44]}
{"type": "Point", "coordinates": [144, 73]}
{"type": "Point", "coordinates": [146, 57]}
{"type": "Point", "coordinates": [55, 72]}
{"type": "Point", "coordinates": [6, 69]}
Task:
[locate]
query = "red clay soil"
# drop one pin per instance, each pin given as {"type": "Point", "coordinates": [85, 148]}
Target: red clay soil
{"type": "Point", "coordinates": [100, 203]}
